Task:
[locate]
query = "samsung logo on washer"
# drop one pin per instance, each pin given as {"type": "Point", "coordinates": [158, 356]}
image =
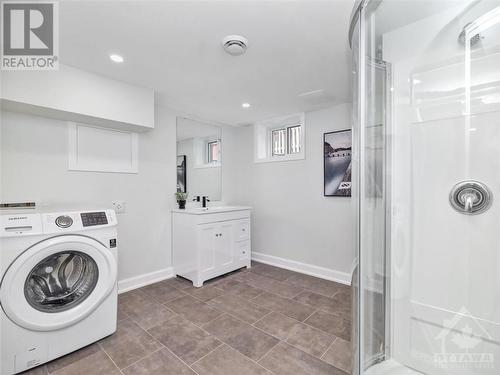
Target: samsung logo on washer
{"type": "Point", "coordinates": [29, 35]}
{"type": "Point", "coordinates": [18, 218]}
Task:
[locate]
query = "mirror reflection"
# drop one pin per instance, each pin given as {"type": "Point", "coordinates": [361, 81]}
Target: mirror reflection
{"type": "Point", "coordinates": [199, 162]}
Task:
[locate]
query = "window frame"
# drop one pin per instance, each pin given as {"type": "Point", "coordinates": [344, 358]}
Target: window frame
{"type": "Point", "coordinates": [264, 142]}
{"type": "Point", "coordinates": [271, 142]}
{"type": "Point", "coordinates": [209, 151]}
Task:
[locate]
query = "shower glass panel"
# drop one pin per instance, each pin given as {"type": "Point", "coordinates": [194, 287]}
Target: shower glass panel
{"type": "Point", "coordinates": [427, 128]}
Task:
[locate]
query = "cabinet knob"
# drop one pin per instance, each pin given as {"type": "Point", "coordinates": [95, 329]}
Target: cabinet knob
{"type": "Point", "coordinates": [217, 235]}
{"type": "Point", "coordinates": [244, 230]}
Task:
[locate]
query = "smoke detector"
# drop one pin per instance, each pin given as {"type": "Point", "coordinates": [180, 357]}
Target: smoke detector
{"type": "Point", "coordinates": [235, 45]}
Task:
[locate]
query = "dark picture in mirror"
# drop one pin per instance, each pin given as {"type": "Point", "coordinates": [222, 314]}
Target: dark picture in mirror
{"type": "Point", "coordinates": [337, 163]}
{"type": "Point", "coordinates": [181, 173]}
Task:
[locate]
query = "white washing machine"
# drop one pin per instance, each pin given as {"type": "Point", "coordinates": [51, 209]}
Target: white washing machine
{"type": "Point", "coordinates": [58, 289]}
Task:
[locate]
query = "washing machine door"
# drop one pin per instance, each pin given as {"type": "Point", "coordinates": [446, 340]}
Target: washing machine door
{"type": "Point", "coordinates": [58, 282]}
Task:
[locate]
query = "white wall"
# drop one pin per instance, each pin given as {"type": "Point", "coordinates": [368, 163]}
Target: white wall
{"type": "Point", "coordinates": [71, 93]}
{"type": "Point", "coordinates": [292, 219]}
{"type": "Point", "coordinates": [35, 167]}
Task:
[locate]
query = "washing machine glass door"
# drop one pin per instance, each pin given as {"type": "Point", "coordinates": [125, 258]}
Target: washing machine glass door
{"type": "Point", "coordinates": [61, 281]}
{"type": "Point", "coordinates": [58, 282]}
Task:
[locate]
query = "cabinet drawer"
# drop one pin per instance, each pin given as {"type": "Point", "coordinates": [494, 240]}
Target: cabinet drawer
{"type": "Point", "coordinates": [242, 230]}
{"type": "Point", "coordinates": [243, 250]}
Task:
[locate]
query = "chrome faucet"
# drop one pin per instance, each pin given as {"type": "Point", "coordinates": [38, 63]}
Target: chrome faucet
{"type": "Point", "coordinates": [204, 201]}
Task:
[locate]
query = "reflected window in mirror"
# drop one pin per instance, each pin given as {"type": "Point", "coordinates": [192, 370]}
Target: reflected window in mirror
{"type": "Point", "coordinates": [213, 151]}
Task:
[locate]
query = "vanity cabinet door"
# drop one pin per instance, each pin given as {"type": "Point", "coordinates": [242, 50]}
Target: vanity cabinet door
{"type": "Point", "coordinates": [208, 244]}
{"type": "Point", "coordinates": [216, 246]}
{"type": "Point", "coordinates": [224, 245]}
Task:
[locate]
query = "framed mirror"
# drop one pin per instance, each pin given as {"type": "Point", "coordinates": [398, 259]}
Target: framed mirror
{"type": "Point", "coordinates": [199, 158]}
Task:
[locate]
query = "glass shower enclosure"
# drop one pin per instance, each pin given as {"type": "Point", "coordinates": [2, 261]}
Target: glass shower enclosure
{"type": "Point", "coordinates": [426, 111]}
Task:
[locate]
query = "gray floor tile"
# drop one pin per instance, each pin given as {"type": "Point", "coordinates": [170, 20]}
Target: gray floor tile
{"type": "Point", "coordinates": [129, 344]}
{"type": "Point", "coordinates": [224, 283]}
{"type": "Point", "coordinates": [284, 359]}
{"type": "Point", "coordinates": [161, 362]}
{"type": "Point", "coordinates": [205, 293]}
{"type": "Point", "coordinates": [270, 285]}
{"type": "Point", "coordinates": [276, 273]}
{"type": "Point", "coordinates": [342, 304]}
{"type": "Point", "coordinates": [231, 286]}
{"type": "Point", "coordinates": [194, 310]}
{"type": "Point", "coordinates": [149, 314]}
{"type": "Point", "coordinates": [339, 304]}
{"type": "Point", "coordinates": [184, 339]}
{"type": "Point", "coordinates": [121, 314]}
{"type": "Point", "coordinates": [162, 292]}
{"type": "Point", "coordinates": [321, 286]}
{"type": "Point", "coordinates": [227, 361]}
{"type": "Point", "coordinates": [178, 282]}
{"type": "Point", "coordinates": [135, 296]}
{"type": "Point", "coordinates": [310, 340]}
{"type": "Point", "coordinates": [331, 324]}
{"type": "Point", "coordinates": [243, 337]}
{"type": "Point", "coordinates": [288, 307]}
{"type": "Point", "coordinates": [72, 357]}
{"type": "Point", "coordinates": [340, 355]}
{"type": "Point", "coordinates": [276, 324]}
{"type": "Point", "coordinates": [314, 299]}
{"type": "Point", "coordinates": [97, 363]}
{"type": "Point", "coordinates": [239, 307]}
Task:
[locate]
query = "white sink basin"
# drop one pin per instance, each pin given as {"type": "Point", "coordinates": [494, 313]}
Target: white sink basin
{"type": "Point", "coordinates": [211, 209]}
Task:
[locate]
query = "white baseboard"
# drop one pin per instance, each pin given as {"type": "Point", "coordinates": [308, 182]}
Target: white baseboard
{"type": "Point", "coordinates": [308, 269]}
{"type": "Point", "coordinates": [145, 279]}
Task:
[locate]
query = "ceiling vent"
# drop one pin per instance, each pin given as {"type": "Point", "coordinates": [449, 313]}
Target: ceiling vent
{"type": "Point", "coordinates": [235, 45]}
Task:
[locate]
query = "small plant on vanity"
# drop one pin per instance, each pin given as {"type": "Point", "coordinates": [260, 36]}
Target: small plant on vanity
{"type": "Point", "coordinates": [181, 199]}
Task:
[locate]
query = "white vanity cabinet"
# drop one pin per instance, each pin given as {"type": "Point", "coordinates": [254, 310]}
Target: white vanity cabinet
{"type": "Point", "coordinates": [209, 243]}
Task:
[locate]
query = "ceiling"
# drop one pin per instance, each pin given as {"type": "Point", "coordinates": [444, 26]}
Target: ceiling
{"type": "Point", "coordinates": [298, 57]}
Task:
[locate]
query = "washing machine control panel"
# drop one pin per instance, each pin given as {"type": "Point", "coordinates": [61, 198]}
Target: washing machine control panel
{"type": "Point", "coordinates": [74, 221]}
{"type": "Point", "coordinates": [94, 218]}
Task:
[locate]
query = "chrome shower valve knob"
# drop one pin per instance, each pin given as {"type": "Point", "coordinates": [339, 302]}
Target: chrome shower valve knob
{"type": "Point", "coordinates": [470, 197]}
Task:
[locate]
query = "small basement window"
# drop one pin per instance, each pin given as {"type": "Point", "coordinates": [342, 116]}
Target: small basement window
{"type": "Point", "coordinates": [213, 149]}
{"type": "Point", "coordinates": [280, 139]}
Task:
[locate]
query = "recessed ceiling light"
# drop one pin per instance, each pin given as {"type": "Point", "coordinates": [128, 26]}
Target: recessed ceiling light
{"type": "Point", "coordinates": [246, 105]}
{"type": "Point", "coordinates": [116, 58]}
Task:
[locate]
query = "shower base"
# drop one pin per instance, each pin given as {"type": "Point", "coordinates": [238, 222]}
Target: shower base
{"type": "Point", "coordinates": [391, 367]}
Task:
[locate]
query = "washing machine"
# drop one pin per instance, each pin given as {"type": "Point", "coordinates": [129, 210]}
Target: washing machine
{"type": "Point", "coordinates": [58, 290]}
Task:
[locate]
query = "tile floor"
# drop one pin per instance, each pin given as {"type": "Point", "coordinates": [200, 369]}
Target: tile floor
{"type": "Point", "coordinates": [264, 320]}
